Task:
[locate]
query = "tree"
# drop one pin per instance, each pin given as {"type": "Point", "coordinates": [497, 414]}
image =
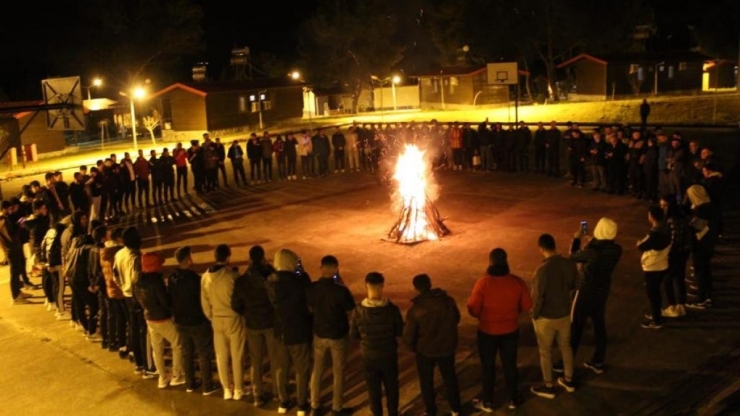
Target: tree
{"type": "Point", "coordinates": [151, 122]}
{"type": "Point", "coordinates": [345, 43]}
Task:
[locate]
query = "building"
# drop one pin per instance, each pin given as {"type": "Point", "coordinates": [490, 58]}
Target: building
{"type": "Point", "coordinates": [720, 75]}
{"type": "Point", "coordinates": [24, 128]}
{"type": "Point", "coordinates": [599, 77]}
{"type": "Point", "coordinates": [227, 107]}
{"type": "Point", "coordinates": [460, 87]}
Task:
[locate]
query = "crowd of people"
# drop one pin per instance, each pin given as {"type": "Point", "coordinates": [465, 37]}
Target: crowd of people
{"type": "Point", "coordinates": [122, 297]}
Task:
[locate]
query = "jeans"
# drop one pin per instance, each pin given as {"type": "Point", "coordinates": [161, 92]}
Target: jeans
{"type": "Point", "coordinates": [589, 306]}
{"type": "Point", "coordinates": [425, 367]}
{"type": "Point", "coordinates": [81, 298]}
{"type": "Point", "coordinates": [676, 279]}
{"type": "Point", "coordinates": [703, 271]}
{"type": "Point", "coordinates": [304, 166]}
{"type": "Point", "coordinates": [267, 169]}
{"type": "Point", "coordinates": [136, 331]}
{"type": "Point", "coordinates": [505, 345]}
{"type": "Point", "coordinates": [597, 171]}
{"type": "Point", "coordinates": [382, 373]}
{"type": "Point", "coordinates": [653, 280]}
{"type": "Point", "coordinates": [117, 323]}
{"type": "Point", "coordinates": [338, 349]}
{"type": "Point", "coordinates": [238, 167]}
{"type": "Point", "coordinates": [159, 331]}
{"type": "Point", "coordinates": [339, 160]}
{"type": "Point", "coordinates": [229, 336]}
{"type": "Point", "coordinates": [182, 180]}
{"type": "Point", "coordinates": [103, 315]}
{"type": "Point", "coordinates": [254, 169]}
{"type": "Point", "coordinates": [258, 340]}
{"type": "Point", "coordinates": [486, 158]}
{"type": "Point", "coordinates": [197, 339]}
{"type": "Point", "coordinates": [300, 356]}
{"type": "Point", "coordinates": [549, 331]}
{"type": "Point", "coordinates": [222, 168]}
{"type": "Point", "coordinates": [142, 190]}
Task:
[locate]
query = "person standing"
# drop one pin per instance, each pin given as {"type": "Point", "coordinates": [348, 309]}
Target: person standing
{"type": "Point", "coordinates": [322, 147]}
{"type": "Point", "coordinates": [616, 153]}
{"type": "Point", "coordinates": [676, 163]}
{"type": "Point", "coordinates": [678, 256]}
{"type": "Point", "coordinates": [266, 153]}
{"type": "Point", "coordinates": [128, 182]}
{"type": "Point", "coordinates": [704, 238]}
{"type": "Point", "coordinates": [181, 167]}
{"type": "Point", "coordinates": [117, 311]}
{"type": "Point", "coordinates": [554, 281]}
{"type": "Point", "coordinates": [13, 250]}
{"type": "Point", "coordinates": [376, 323]}
{"type": "Point", "coordinates": [431, 332]}
{"type": "Point", "coordinates": [157, 172]}
{"type": "Point", "coordinates": [524, 139]}
{"type": "Point", "coordinates": [290, 147]}
{"type": "Point", "coordinates": [577, 151]}
{"type": "Point", "coordinates": [236, 155]}
{"type": "Point", "coordinates": [210, 162]}
{"type": "Point", "coordinates": [229, 333]}
{"type": "Point", "coordinates": [97, 284]}
{"type": "Point", "coordinates": [552, 149]}
{"type": "Point", "coordinates": [597, 257]}
{"type": "Point", "coordinates": [251, 301]}
{"type": "Point", "coordinates": [540, 148]}
{"type": "Point", "coordinates": [193, 328]}
{"type": "Point", "coordinates": [636, 159]}
{"type": "Point", "coordinates": [650, 170]}
{"type": "Point", "coordinates": [278, 148]}
{"type": "Point", "coordinates": [287, 292]}
{"type": "Point", "coordinates": [254, 154]}
{"type": "Point", "coordinates": [221, 156]}
{"type": "Point", "coordinates": [496, 301]}
{"type": "Point", "coordinates": [338, 142]}
{"type": "Point", "coordinates": [306, 148]}
{"type": "Point", "coordinates": [353, 149]}
{"type": "Point", "coordinates": [330, 302]}
{"type": "Point", "coordinates": [197, 166]}
{"type": "Point", "coordinates": [655, 248]}
{"type": "Point", "coordinates": [142, 169]}
{"type": "Point", "coordinates": [644, 112]}
{"type": "Point", "coordinates": [597, 158]}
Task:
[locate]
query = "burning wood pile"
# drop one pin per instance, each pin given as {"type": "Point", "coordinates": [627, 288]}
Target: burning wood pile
{"type": "Point", "coordinates": [418, 218]}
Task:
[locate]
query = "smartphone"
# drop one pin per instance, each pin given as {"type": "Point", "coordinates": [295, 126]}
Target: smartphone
{"type": "Point", "coordinates": [584, 227]}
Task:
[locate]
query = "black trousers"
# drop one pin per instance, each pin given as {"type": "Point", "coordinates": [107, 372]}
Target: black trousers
{"type": "Point", "coordinates": [539, 160]}
{"type": "Point", "coordinates": [292, 164]}
{"type": "Point", "coordinates": [136, 331]}
{"type": "Point", "coordinates": [17, 263]}
{"type": "Point", "coordinates": [323, 164]}
{"type": "Point", "coordinates": [304, 166]}
{"type": "Point", "coordinates": [82, 298]}
{"type": "Point", "coordinates": [128, 190]}
{"type": "Point", "coordinates": [590, 306]}
{"type": "Point", "coordinates": [651, 184]}
{"type": "Point", "coordinates": [199, 177]}
{"type": "Point", "coordinates": [158, 191]}
{"type": "Point", "coordinates": [615, 178]}
{"type": "Point", "coordinates": [312, 164]}
{"type": "Point", "coordinates": [703, 271]}
{"type": "Point", "coordinates": [143, 190]}
{"type": "Point", "coordinates": [636, 177]}
{"type": "Point", "coordinates": [197, 339]}
{"type": "Point", "coordinates": [222, 168]}
{"type": "Point", "coordinates": [238, 167]}
{"type": "Point", "coordinates": [117, 317]}
{"type": "Point", "coordinates": [211, 179]}
{"type": "Point", "coordinates": [267, 169]}
{"type": "Point", "coordinates": [103, 315]}
{"type": "Point", "coordinates": [675, 280]}
{"type": "Point", "coordinates": [254, 169]}
{"type": "Point", "coordinates": [281, 167]}
{"type": "Point", "coordinates": [182, 180]}
{"type": "Point", "coordinates": [505, 345]}
{"type": "Point", "coordinates": [523, 156]}
{"type": "Point", "coordinates": [382, 374]}
{"type": "Point", "coordinates": [653, 281]}
{"type": "Point", "coordinates": [48, 283]}
{"type": "Point", "coordinates": [425, 367]}
{"type": "Point", "coordinates": [577, 171]}
{"type": "Point", "coordinates": [553, 164]}
{"type": "Point", "coordinates": [339, 160]}
{"type": "Point", "coordinates": [169, 188]}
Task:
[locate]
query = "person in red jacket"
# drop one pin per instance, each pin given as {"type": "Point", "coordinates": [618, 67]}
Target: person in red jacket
{"type": "Point", "coordinates": [496, 301]}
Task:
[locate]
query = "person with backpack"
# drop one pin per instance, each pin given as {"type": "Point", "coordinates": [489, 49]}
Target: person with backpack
{"type": "Point", "coordinates": [675, 281]}
{"type": "Point", "coordinates": [97, 283]}
{"type": "Point", "coordinates": [78, 272]}
{"type": "Point", "coordinates": [117, 312]}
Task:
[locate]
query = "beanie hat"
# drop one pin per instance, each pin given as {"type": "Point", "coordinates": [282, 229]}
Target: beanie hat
{"type": "Point", "coordinates": [606, 229]}
{"type": "Point", "coordinates": [152, 262]}
{"type": "Point", "coordinates": [286, 260]}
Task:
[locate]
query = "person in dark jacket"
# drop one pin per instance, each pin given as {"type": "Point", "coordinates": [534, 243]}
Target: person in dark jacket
{"type": "Point", "coordinates": [597, 161]}
{"type": "Point", "coordinates": [716, 185]}
{"type": "Point", "coordinates": [655, 247]}
{"type": "Point", "coordinates": [266, 154]}
{"type": "Point", "coordinates": [250, 300]}
{"type": "Point", "coordinates": [540, 150]}
{"type": "Point", "coordinates": [80, 199]}
{"type": "Point", "coordinates": [151, 293]}
{"type": "Point", "coordinates": [376, 323]}
{"type": "Point", "coordinates": [338, 142]}
{"type": "Point", "coordinates": [675, 281]}
{"type": "Point", "coordinates": [523, 141]}
{"type": "Point", "coordinates": [291, 155]}
{"type": "Point", "coordinates": [236, 155]}
{"type": "Point", "coordinates": [577, 151]}
{"type": "Point", "coordinates": [635, 158]}
{"type": "Point", "coordinates": [37, 225]}
{"type": "Point", "coordinates": [431, 332]}
{"type": "Point", "coordinates": [77, 272]}
{"type": "Point", "coordinates": [193, 328]}
{"type": "Point", "coordinates": [322, 150]}
{"type": "Point", "coordinates": [650, 170]}
{"type": "Point", "coordinates": [287, 292]}
{"type": "Point", "coordinates": [330, 302]}
{"type": "Point", "coordinates": [704, 238]}
{"type": "Point", "coordinates": [221, 155]}
{"type": "Point", "coordinates": [676, 163]}
{"type": "Point", "coordinates": [167, 170]}
{"type": "Point", "coordinates": [644, 112]}
{"type": "Point", "coordinates": [616, 152]}
{"type": "Point", "coordinates": [97, 283]}
{"type": "Point", "coordinates": [597, 257]}
{"type": "Point", "coordinates": [254, 154]}
{"type": "Point", "coordinates": [197, 166]}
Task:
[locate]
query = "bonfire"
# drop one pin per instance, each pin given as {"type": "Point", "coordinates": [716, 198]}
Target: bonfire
{"type": "Point", "coordinates": [418, 218]}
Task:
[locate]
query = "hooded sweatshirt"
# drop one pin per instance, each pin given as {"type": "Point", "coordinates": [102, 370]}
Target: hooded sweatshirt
{"type": "Point", "coordinates": [126, 269]}
{"type": "Point", "coordinates": [377, 323]}
{"type": "Point", "coordinates": [497, 300]}
{"type": "Point", "coordinates": [184, 289]}
{"type": "Point", "coordinates": [216, 291]}
{"type": "Point", "coordinates": [251, 299]}
{"type": "Point", "coordinates": [431, 324]}
{"type": "Point", "coordinates": [107, 257]}
{"type": "Point", "coordinates": [655, 248]}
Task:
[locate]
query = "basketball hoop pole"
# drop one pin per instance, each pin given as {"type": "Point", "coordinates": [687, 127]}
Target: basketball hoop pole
{"type": "Point", "coordinates": [133, 124]}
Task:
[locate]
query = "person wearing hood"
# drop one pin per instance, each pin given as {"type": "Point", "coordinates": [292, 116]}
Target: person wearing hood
{"type": "Point", "coordinates": [151, 293]}
{"type": "Point", "coordinates": [704, 227]}
{"type": "Point", "coordinates": [229, 333]}
{"type": "Point", "coordinates": [655, 248]}
{"type": "Point", "coordinates": [715, 185]}
{"type": "Point", "coordinates": [97, 283]}
{"type": "Point", "coordinates": [376, 323]}
{"type": "Point", "coordinates": [193, 328]}
{"type": "Point", "coordinates": [117, 312]}
{"type": "Point", "coordinates": [497, 300]}
{"type": "Point", "coordinates": [51, 250]}
{"type": "Point", "coordinates": [252, 302]}
{"type": "Point", "coordinates": [126, 269]}
{"type": "Point", "coordinates": [597, 257]}
{"type": "Point", "coordinates": [431, 332]}
{"type": "Point", "coordinates": [678, 256]}
{"type": "Point", "coordinates": [76, 246]}
{"type": "Point", "coordinates": [330, 302]}
{"type": "Point", "coordinates": [287, 292]}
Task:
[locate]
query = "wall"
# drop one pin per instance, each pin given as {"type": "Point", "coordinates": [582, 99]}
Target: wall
{"type": "Point", "coordinates": [590, 78]}
{"type": "Point", "coordinates": [407, 96]}
{"type": "Point", "coordinates": [38, 133]}
{"type": "Point", "coordinates": [188, 110]}
{"type": "Point", "coordinates": [224, 112]}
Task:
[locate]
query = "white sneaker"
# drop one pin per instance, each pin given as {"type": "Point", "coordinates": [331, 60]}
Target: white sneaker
{"type": "Point", "coordinates": [238, 394]}
{"type": "Point", "coordinates": [50, 307]}
{"type": "Point", "coordinates": [163, 382]}
{"type": "Point", "coordinates": [177, 381]}
{"type": "Point", "coordinates": [94, 338]}
{"type": "Point", "coordinates": [227, 394]}
{"type": "Point", "coordinates": [671, 312]}
{"type": "Point", "coordinates": [20, 300]}
{"type": "Point", "coordinates": [61, 316]}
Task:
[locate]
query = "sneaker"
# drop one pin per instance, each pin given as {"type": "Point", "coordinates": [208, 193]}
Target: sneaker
{"type": "Point", "coordinates": [210, 389]}
{"type": "Point", "coordinates": [304, 410]}
{"type": "Point", "coordinates": [25, 295]}
{"type": "Point", "coordinates": [681, 310]}
{"type": "Point", "coordinates": [595, 367]}
{"type": "Point", "coordinates": [558, 368]}
{"type": "Point", "coordinates": [259, 401]}
{"type": "Point", "coordinates": [149, 374]}
{"type": "Point", "coordinates": [648, 316]}
{"type": "Point", "coordinates": [513, 404]}
{"type": "Point", "coordinates": [122, 353]}
{"type": "Point", "coordinates": [139, 370]}
{"type": "Point", "coordinates": [543, 391]}
{"type": "Point", "coordinates": [651, 325]}
{"type": "Point", "coordinates": [285, 407]}
{"type": "Point", "coordinates": [697, 305]}
{"type": "Point", "coordinates": [61, 316]}
{"type": "Point", "coordinates": [484, 407]}
{"type": "Point", "coordinates": [163, 382]}
{"type": "Point", "coordinates": [20, 300]}
{"type": "Point", "coordinates": [195, 385]}
{"type": "Point", "coordinates": [569, 386]}
{"type": "Point", "coordinates": [238, 394]}
{"type": "Point", "coordinates": [228, 395]}
{"type": "Point", "coordinates": [94, 337]}
{"type": "Point", "coordinates": [50, 307]}
{"type": "Point", "coordinates": [177, 381]}
{"type": "Point", "coordinates": [671, 312]}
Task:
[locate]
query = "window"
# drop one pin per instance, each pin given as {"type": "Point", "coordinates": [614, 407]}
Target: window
{"type": "Point", "coordinates": [454, 81]}
{"type": "Point", "coordinates": [435, 84]}
{"type": "Point", "coordinates": [427, 82]}
{"type": "Point", "coordinates": [634, 68]}
{"type": "Point", "coordinates": [671, 71]}
{"type": "Point", "coordinates": [242, 104]}
{"type": "Point", "coordinates": [641, 74]}
{"type": "Point", "coordinates": [256, 99]}
{"type": "Point", "coordinates": [682, 66]}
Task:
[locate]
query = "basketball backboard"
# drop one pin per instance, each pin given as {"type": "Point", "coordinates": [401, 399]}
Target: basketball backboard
{"type": "Point", "coordinates": [65, 93]}
{"type": "Point", "coordinates": [502, 73]}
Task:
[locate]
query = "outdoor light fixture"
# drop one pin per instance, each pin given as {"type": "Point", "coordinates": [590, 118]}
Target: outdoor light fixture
{"type": "Point", "coordinates": [137, 93]}
{"type": "Point", "coordinates": [295, 75]}
{"type": "Point", "coordinates": [97, 82]}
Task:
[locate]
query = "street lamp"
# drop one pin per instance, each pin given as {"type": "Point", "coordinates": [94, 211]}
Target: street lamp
{"type": "Point", "coordinates": [295, 75]}
{"type": "Point", "coordinates": [261, 97]}
{"type": "Point", "coordinates": [97, 82]}
{"type": "Point", "coordinates": [655, 87]}
{"type": "Point", "coordinates": [137, 93]}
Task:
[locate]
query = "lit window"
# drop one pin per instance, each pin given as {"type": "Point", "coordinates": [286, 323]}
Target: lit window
{"type": "Point", "coordinates": [242, 104]}
{"type": "Point", "coordinates": [671, 71]}
{"type": "Point", "coordinates": [640, 74]}
{"type": "Point", "coordinates": [454, 81]}
{"type": "Point", "coordinates": [682, 66]}
{"type": "Point", "coordinates": [634, 68]}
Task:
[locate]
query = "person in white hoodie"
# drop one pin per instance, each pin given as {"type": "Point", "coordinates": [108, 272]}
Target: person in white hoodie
{"type": "Point", "coordinates": [655, 248]}
{"type": "Point", "coordinates": [229, 331]}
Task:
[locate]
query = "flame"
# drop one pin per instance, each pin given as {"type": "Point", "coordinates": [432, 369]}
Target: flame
{"type": "Point", "coordinates": [412, 174]}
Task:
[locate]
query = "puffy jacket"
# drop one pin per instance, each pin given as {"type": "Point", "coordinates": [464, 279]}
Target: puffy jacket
{"type": "Point", "coordinates": [151, 294]}
{"type": "Point", "coordinates": [184, 289]}
{"type": "Point", "coordinates": [51, 247]}
{"type": "Point", "coordinates": [251, 299]}
{"type": "Point", "coordinates": [107, 257]}
{"type": "Point", "coordinates": [287, 292]}
{"type": "Point", "coordinates": [77, 264]}
{"type": "Point", "coordinates": [376, 324]}
{"type": "Point", "coordinates": [216, 290]}
{"type": "Point", "coordinates": [431, 324]}
{"type": "Point", "coordinates": [497, 300]}
{"type": "Point", "coordinates": [126, 268]}
{"type": "Point", "coordinates": [330, 301]}
{"type": "Point", "coordinates": [655, 248]}
{"type": "Point", "coordinates": [599, 259]}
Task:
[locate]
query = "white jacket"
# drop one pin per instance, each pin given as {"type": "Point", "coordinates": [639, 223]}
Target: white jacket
{"type": "Point", "coordinates": [216, 291]}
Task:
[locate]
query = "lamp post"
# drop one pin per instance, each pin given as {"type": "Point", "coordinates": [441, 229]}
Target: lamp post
{"type": "Point", "coordinates": [136, 93]}
{"type": "Point", "coordinates": [396, 79]}
{"type": "Point", "coordinates": [382, 82]}
{"type": "Point", "coordinates": [655, 87]}
{"type": "Point", "coordinates": [97, 82]}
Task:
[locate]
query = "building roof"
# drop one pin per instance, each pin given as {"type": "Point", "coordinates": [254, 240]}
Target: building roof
{"type": "Point", "coordinates": [17, 109]}
{"type": "Point", "coordinates": [213, 87]}
{"type": "Point", "coordinates": [457, 71]}
{"type": "Point", "coordinates": [637, 57]}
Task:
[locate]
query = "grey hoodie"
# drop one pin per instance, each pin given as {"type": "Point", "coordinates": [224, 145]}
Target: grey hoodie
{"type": "Point", "coordinates": [217, 289]}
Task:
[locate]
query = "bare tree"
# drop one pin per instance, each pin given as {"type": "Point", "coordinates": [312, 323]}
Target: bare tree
{"type": "Point", "coordinates": [151, 122]}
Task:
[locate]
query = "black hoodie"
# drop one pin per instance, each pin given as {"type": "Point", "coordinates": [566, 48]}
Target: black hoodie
{"type": "Point", "coordinates": [184, 291]}
{"type": "Point", "coordinates": [250, 297]}
{"type": "Point", "coordinates": [287, 292]}
{"type": "Point", "coordinates": [431, 324]}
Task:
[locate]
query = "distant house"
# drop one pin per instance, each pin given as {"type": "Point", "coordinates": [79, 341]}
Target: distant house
{"type": "Point", "coordinates": [632, 74]}
{"type": "Point", "coordinates": [460, 87]}
{"type": "Point", "coordinates": [720, 74]}
{"type": "Point", "coordinates": [27, 127]}
{"type": "Point", "coordinates": [221, 107]}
